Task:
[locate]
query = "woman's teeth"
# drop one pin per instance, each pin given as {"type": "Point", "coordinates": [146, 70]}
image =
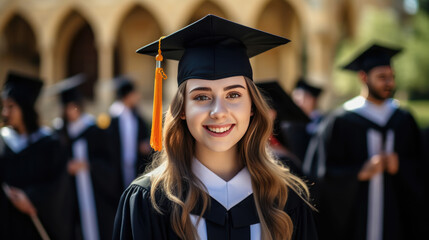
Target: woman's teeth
{"type": "Point", "coordinates": [219, 130]}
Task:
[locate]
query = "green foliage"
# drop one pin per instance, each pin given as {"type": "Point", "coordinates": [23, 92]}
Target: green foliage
{"type": "Point", "coordinates": [420, 110]}
{"type": "Point", "coordinates": [412, 66]}
{"type": "Point", "coordinates": [383, 25]}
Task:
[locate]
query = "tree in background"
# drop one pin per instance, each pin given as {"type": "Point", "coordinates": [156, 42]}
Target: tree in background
{"type": "Point", "coordinates": [412, 68]}
{"type": "Point", "coordinates": [390, 27]}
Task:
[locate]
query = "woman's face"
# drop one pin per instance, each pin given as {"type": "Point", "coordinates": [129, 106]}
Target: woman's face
{"type": "Point", "coordinates": [217, 112]}
{"type": "Point", "coordinates": [72, 111]}
{"type": "Point", "coordinates": [12, 113]}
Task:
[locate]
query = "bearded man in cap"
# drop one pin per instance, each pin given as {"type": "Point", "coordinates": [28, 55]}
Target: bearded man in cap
{"type": "Point", "coordinates": [368, 157]}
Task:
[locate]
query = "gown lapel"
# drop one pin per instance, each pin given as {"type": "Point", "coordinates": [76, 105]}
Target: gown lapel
{"type": "Point", "coordinates": [229, 224]}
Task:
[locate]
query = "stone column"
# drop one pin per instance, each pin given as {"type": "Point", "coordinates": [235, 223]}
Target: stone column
{"type": "Point", "coordinates": [47, 71]}
{"type": "Point", "coordinates": [104, 87]}
{"type": "Point", "coordinates": [322, 38]}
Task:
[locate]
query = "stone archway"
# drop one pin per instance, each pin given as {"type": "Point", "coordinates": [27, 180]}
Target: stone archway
{"type": "Point", "coordinates": [137, 29]}
{"type": "Point", "coordinates": [18, 48]}
{"type": "Point", "coordinates": [283, 63]}
{"type": "Point", "coordinates": [206, 7]}
{"type": "Point", "coordinates": [76, 52]}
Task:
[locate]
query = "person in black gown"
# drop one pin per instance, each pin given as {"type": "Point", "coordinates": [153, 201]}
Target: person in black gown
{"type": "Point", "coordinates": [32, 167]}
{"type": "Point", "coordinates": [368, 160]}
{"type": "Point", "coordinates": [128, 133]}
{"type": "Point", "coordinates": [300, 134]}
{"type": "Point", "coordinates": [213, 178]}
{"type": "Point", "coordinates": [94, 182]}
{"type": "Point", "coordinates": [283, 109]}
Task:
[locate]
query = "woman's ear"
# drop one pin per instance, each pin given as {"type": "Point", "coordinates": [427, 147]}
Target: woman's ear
{"type": "Point", "coordinates": [251, 111]}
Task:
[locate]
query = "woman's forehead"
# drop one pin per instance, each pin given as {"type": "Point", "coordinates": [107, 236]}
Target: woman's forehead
{"type": "Point", "coordinates": [192, 84]}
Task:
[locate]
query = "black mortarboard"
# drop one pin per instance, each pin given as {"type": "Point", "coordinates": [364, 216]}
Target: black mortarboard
{"type": "Point", "coordinates": [123, 86]}
{"type": "Point", "coordinates": [214, 48]}
{"type": "Point", "coordinates": [374, 56]}
{"type": "Point", "coordinates": [313, 90]}
{"type": "Point", "coordinates": [21, 88]}
{"type": "Point", "coordinates": [68, 89]}
{"type": "Point", "coordinates": [280, 101]}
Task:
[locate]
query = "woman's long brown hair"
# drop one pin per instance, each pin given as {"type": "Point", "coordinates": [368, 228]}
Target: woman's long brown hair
{"type": "Point", "coordinates": [171, 172]}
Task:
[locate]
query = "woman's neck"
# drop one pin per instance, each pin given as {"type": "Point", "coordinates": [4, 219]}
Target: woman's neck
{"type": "Point", "coordinates": [224, 164]}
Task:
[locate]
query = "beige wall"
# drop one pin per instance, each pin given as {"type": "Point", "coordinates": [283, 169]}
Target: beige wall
{"type": "Point", "coordinates": [120, 27]}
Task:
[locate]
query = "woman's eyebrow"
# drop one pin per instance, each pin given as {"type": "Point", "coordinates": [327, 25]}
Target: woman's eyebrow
{"type": "Point", "coordinates": [201, 89]}
{"type": "Point", "coordinates": [233, 86]}
{"type": "Point", "coordinates": [209, 89]}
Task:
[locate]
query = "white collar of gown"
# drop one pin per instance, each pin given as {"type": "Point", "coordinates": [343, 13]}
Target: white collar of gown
{"type": "Point", "coordinates": [379, 114]}
{"type": "Point", "coordinates": [18, 142]}
{"type": "Point", "coordinates": [75, 128]}
{"type": "Point", "coordinates": [226, 193]}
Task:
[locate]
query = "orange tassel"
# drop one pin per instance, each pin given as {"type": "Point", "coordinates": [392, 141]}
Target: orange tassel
{"type": "Point", "coordinates": [156, 134]}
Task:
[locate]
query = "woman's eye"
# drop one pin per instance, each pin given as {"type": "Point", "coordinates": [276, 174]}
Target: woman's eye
{"type": "Point", "coordinates": [234, 95]}
{"type": "Point", "coordinates": [201, 98]}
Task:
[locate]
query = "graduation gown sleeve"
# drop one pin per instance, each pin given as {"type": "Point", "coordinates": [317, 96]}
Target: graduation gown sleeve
{"type": "Point", "coordinates": [338, 166]}
{"type": "Point", "coordinates": [137, 219]}
{"type": "Point", "coordinates": [39, 170]}
{"type": "Point", "coordinates": [304, 227]}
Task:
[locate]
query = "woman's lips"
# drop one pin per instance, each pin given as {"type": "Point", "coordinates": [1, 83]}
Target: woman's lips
{"type": "Point", "coordinates": [219, 130]}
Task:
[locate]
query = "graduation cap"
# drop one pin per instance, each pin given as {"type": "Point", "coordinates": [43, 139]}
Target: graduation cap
{"type": "Point", "coordinates": [123, 86]}
{"type": "Point", "coordinates": [280, 101]}
{"type": "Point", "coordinates": [313, 90]}
{"type": "Point", "coordinates": [211, 48]}
{"type": "Point", "coordinates": [214, 48]}
{"type": "Point", "coordinates": [374, 56]}
{"type": "Point", "coordinates": [23, 89]}
{"type": "Point", "coordinates": [68, 89]}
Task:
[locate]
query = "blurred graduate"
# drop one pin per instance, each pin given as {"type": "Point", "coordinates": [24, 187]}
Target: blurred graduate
{"type": "Point", "coordinates": [306, 97]}
{"type": "Point", "coordinates": [90, 164]}
{"type": "Point", "coordinates": [128, 133]}
{"type": "Point", "coordinates": [32, 167]}
{"type": "Point", "coordinates": [213, 177]}
{"type": "Point", "coordinates": [283, 110]}
{"type": "Point", "coordinates": [369, 159]}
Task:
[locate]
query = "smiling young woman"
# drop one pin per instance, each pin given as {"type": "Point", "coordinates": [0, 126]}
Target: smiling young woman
{"type": "Point", "coordinates": [215, 178]}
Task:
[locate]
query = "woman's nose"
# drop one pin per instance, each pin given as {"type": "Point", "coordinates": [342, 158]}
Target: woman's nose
{"type": "Point", "coordinates": [219, 110]}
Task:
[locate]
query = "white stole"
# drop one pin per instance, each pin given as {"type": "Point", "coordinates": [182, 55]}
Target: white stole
{"type": "Point", "coordinates": [85, 194]}
{"type": "Point", "coordinates": [128, 133]}
{"type": "Point", "coordinates": [376, 184]}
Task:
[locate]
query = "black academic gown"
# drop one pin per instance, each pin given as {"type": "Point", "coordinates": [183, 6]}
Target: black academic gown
{"type": "Point", "coordinates": [137, 219]}
{"type": "Point", "coordinates": [39, 170]}
{"type": "Point", "coordinates": [103, 176]}
{"type": "Point", "coordinates": [298, 134]}
{"type": "Point", "coordinates": [344, 200]}
{"type": "Point", "coordinates": [115, 137]}
{"type": "Point", "coordinates": [425, 159]}
{"type": "Point", "coordinates": [297, 138]}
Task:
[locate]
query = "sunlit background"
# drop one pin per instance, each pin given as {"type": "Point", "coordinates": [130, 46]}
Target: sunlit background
{"type": "Point", "coordinates": [55, 39]}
